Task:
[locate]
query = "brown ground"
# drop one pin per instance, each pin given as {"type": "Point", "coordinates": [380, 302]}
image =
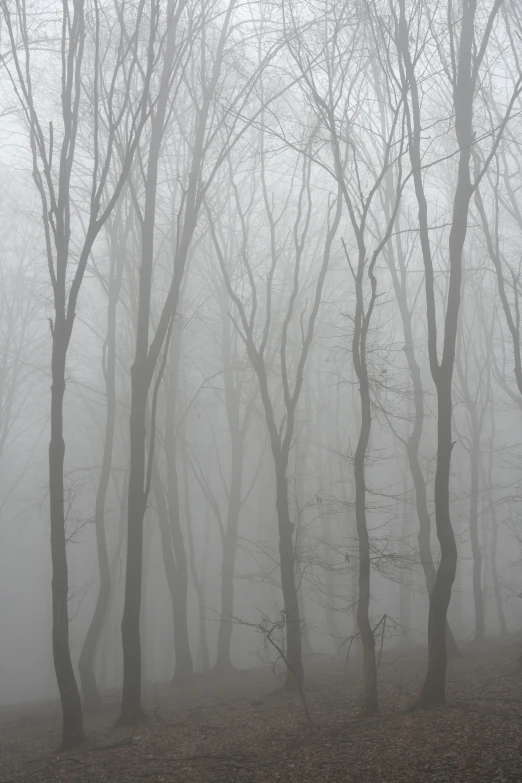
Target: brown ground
{"type": "Point", "coordinates": [240, 728]}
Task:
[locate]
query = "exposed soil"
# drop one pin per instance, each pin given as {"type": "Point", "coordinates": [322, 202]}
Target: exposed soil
{"type": "Point", "coordinates": [240, 727]}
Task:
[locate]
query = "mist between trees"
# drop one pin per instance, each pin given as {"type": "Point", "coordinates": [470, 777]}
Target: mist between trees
{"type": "Point", "coordinates": [260, 283]}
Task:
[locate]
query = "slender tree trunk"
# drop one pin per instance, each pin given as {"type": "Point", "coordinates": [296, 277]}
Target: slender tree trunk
{"type": "Point", "coordinates": [476, 422]}
{"type": "Point", "coordinates": [295, 672]}
{"type": "Point", "coordinates": [166, 549]}
{"type": "Point", "coordinates": [474, 534]}
{"type": "Point", "coordinates": [488, 480]}
{"type": "Point", "coordinates": [131, 709]}
{"type": "Point", "coordinates": [184, 665]}
{"type": "Point", "coordinates": [198, 583]}
{"type": "Point", "coordinates": [233, 385]}
{"type": "Point", "coordinates": [494, 576]}
{"type": "Point", "coordinates": [229, 556]}
{"type": "Point", "coordinates": [90, 691]}
{"type": "Point", "coordinates": [107, 635]}
{"type": "Point", "coordinates": [72, 729]}
{"type": "Point", "coordinates": [370, 703]}
{"type": "Point", "coordinates": [146, 617]}
{"type": "Point", "coordinates": [326, 522]}
{"type": "Point", "coordinates": [205, 656]}
{"type": "Point", "coordinates": [405, 592]}
{"type": "Point", "coordinates": [434, 688]}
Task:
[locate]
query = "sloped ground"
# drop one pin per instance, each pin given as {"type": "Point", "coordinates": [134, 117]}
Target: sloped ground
{"type": "Point", "coordinates": [240, 728]}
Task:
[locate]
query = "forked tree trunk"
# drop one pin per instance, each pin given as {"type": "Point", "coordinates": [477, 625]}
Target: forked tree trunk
{"type": "Point", "coordinates": [72, 728]}
{"type": "Point", "coordinates": [467, 59]}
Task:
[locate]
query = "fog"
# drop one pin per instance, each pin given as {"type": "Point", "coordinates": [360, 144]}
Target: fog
{"type": "Point", "coordinates": [260, 360]}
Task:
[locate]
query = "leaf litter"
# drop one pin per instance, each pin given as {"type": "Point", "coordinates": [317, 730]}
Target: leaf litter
{"type": "Point", "coordinates": [243, 727]}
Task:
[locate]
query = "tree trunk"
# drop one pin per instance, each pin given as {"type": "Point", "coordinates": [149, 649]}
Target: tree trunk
{"type": "Point", "coordinates": [90, 691]}
{"type": "Point", "coordinates": [474, 535]}
{"type": "Point", "coordinates": [229, 558]}
{"type": "Point", "coordinates": [184, 666]}
{"type": "Point", "coordinates": [233, 384]}
{"type": "Point", "coordinates": [295, 672]}
{"type": "Point", "coordinates": [131, 709]}
{"type": "Point", "coordinates": [466, 62]}
{"type": "Point", "coordinates": [198, 584]}
{"type": "Point", "coordinates": [72, 729]}
{"type": "Point", "coordinates": [434, 688]}
{"type": "Point", "coordinates": [166, 551]}
{"type": "Point", "coordinates": [370, 701]}
{"type": "Point", "coordinates": [107, 676]}
{"type": "Point", "coordinates": [404, 589]}
{"type": "Point", "coordinates": [488, 480]}
{"type": "Point", "coordinates": [496, 585]}
{"type": "Point", "coordinates": [146, 616]}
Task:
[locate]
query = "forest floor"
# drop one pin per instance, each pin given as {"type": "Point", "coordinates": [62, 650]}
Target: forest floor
{"type": "Point", "coordinates": [242, 727]}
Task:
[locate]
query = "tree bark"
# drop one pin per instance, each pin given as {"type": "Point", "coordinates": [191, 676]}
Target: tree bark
{"type": "Point", "coordinates": [494, 576]}
{"type": "Point", "coordinates": [370, 702]}
{"type": "Point", "coordinates": [184, 666]}
{"type": "Point", "coordinates": [179, 613]}
{"type": "Point", "coordinates": [89, 687]}
{"type": "Point", "coordinates": [131, 709]}
{"type": "Point", "coordinates": [488, 480]}
{"type": "Point", "coordinates": [474, 534]}
{"type": "Point", "coordinates": [434, 688]}
{"type": "Point", "coordinates": [295, 672]}
{"type": "Point", "coordinates": [233, 384]}
{"type": "Point", "coordinates": [198, 583]}
{"type": "Point", "coordinates": [72, 727]}
{"type": "Point", "coordinates": [229, 556]}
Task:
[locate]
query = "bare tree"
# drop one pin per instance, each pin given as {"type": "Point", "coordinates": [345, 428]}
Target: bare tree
{"type": "Point", "coordinates": [461, 48]}
{"type": "Point", "coordinates": [187, 30]}
{"type": "Point", "coordinates": [83, 31]}
{"type": "Point", "coordinates": [398, 258]}
{"type": "Point", "coordinates": [255, 326]}
{"type": "Point", "coordinates": [360, 175]}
